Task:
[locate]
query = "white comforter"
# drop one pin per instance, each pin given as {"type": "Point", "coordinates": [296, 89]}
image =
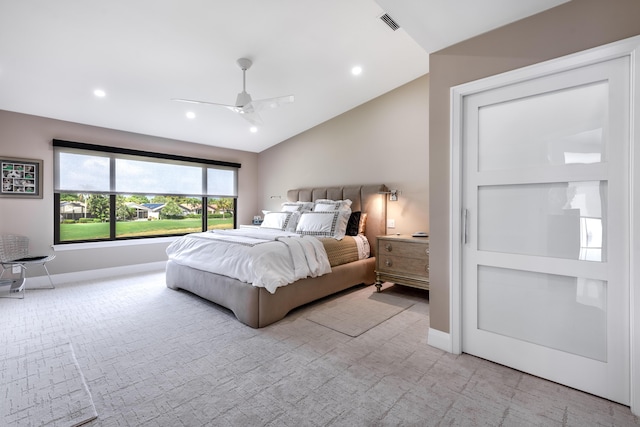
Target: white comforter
{"type": "Point", "coordinates": [263, 257]}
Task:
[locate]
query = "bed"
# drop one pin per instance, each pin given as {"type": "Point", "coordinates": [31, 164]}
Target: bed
{"type": "Point", "coordinates": [256, 306]}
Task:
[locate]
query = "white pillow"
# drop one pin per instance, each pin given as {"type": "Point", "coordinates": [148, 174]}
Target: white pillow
{"type": "Point", "coordinates": [324, 223]}
{"type": "Point", "coordinates": [331, 205]}
{"type": "Point", "coordinates": [285, 221]}
{"type": "Point", "coordinates": [297, 206]}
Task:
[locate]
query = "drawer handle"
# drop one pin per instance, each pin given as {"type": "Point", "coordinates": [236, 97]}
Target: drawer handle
{"type": "Point", "coordinates": [426, 251]}
{"type": "Point", "coordinates": [426, 268]}
{"type": "Point", "coordinates": [388, 247]}
{"type": "Point", "coordinates": [388, 263]}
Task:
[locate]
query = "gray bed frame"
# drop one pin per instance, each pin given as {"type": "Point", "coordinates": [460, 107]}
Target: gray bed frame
{"type": "Point", "coordinates": [257, 307]}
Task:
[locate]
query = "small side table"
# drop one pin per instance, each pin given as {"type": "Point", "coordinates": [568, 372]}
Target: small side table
{"type": "Point", "coordinates": [403, 260]}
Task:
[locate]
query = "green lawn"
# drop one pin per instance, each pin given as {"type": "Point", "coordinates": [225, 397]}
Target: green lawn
{"type": "Point", "coordinates": [100, 230]}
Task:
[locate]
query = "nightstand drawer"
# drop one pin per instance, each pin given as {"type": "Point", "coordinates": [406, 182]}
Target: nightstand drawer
{"type": "Point", "coordinates": [396, 264]}
{"type": "Point", "coordinates": [404, 249]}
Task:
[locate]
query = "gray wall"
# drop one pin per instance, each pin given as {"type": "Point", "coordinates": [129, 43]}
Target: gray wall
{"type": "Point", "coordinates": [382, 141]}
{"type": "Point", "coordinates": [25, 136]}
{"type": "Point", "coordinates": [569, 28]}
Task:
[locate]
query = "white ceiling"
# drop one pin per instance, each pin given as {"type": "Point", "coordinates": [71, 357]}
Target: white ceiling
{"type": "Point", "coordinates": [53, 54]}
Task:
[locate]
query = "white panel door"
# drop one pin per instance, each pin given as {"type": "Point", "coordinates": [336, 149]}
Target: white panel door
{"type": "Point", "coordinates": [545, 191]}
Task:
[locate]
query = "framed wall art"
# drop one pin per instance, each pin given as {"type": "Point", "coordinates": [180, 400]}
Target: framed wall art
{"type": "Point", "coordinates": [21, 178]}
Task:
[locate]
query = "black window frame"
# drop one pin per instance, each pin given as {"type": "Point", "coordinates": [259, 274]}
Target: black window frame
{"type": "Point", "coordinates": [112, 194]}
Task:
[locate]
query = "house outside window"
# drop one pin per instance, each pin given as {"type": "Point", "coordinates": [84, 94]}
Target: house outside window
{"type": "Point", "coordinates": [105, 193]}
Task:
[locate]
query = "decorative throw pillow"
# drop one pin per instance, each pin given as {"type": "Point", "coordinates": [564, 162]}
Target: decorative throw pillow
{"type": "Point", "coordinates": [353, 225]}
{"type": "Point", "coordinates": [363, 223]}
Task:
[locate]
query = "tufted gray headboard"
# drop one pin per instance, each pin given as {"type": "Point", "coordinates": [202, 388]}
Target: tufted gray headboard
{"type": "Point", "coordinates": [364, 198]}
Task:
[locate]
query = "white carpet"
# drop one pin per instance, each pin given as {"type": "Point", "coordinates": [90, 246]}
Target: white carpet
{"type": "Point", "coordinates": [154, 357]}
{"type": "Point", "coordinates": [359, 311]}
{"type": "Point", "coordinates": [45, 388]}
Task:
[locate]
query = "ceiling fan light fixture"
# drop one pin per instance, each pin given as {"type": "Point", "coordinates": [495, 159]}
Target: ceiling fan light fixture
{"type": "Point", "coordinates": [243, 99]}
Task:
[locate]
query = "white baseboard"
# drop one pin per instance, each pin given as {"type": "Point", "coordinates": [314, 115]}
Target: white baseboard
{"type": "Point", "coordinates": [103, 273]}
{"type": "Point", "coordinates": [439, 339]}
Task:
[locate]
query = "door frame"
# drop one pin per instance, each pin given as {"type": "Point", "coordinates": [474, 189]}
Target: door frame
{"type": "Point", "coordinates": [624, 48]}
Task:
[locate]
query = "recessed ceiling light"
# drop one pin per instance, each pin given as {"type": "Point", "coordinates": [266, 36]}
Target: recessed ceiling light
{"type": "Point", "coordinates": [100, 93]}
{"type": "Point", "coordinates": [356, 71]}
{"type": "Point", "coordinates": [253, 129]}
{"type": "Point", "coordinates": [190, 115]}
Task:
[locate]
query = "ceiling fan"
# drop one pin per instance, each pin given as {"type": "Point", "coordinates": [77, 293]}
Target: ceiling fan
{"type": "Point", "coordinates": [244, 105]}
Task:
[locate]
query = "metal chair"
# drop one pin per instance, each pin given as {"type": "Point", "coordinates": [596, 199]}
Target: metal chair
{"type": "Point", "coordinates": [14, 251]}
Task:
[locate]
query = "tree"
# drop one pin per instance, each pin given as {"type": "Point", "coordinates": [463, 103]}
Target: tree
{"type": "Point", "coordinates": [225, 205]}
{"type": "Point", "coordinates": [68, 197]}
{"type": "Point", "coordinates": [193, 203]}
{"type": "Point", "coordinates": [136, 198]}
{"type": "Point", "coordinates": [123, 212]}
{"type": "Point", "coordinates": [98, 206]}
{"type": "Point", "coordinates": [159, 199]}
{"type": "Point", "coordinates": [171, 210]}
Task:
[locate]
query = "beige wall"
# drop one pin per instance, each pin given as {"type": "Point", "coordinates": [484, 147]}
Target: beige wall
{"type": "Point", "coordinates": [569, 28]}
{"type": "Point", "coordinates": [25, 136]}
{"type": "Point", "coordinates": [382, 141]}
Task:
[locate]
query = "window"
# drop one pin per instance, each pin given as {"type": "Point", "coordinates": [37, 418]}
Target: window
{"type": "Point", "coordinates": [105, 193]}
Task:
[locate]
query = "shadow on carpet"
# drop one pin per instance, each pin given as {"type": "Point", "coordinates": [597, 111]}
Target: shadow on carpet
{"type": "Point", "coordinates": [355, 313]}
{"type": "Point", "coordinates": [45, 388]}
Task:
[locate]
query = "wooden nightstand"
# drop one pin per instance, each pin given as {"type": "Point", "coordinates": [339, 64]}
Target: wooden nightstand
{"type": "Point", "coordinates": [403, 260]}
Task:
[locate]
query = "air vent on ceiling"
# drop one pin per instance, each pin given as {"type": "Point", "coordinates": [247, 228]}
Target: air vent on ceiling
{"type": "Point", "coordinates": [389, 21]}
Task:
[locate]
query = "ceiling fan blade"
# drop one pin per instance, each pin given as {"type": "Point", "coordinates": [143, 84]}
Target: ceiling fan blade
{"type": "Point", "coordinates": [253, 118]}
{"type": "Point", "coordinates": [233, 108]}
{"type": "Point", "coordinates": [192, 101]}
{"type": "Point", "coordinates": [268, 103]}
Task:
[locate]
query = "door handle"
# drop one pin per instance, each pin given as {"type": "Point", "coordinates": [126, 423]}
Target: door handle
{"type": "Point", "coordinates": [465, 237]}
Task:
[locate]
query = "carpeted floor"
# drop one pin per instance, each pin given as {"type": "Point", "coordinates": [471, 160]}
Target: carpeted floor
{"type": "Point", "coordinates": [152, 356]}
{"type": "Point", "coordinates": [44, 386]}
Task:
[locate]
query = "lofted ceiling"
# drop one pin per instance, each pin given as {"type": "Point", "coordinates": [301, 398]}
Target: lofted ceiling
{"type": "Point", "coordinates": [143, 53]}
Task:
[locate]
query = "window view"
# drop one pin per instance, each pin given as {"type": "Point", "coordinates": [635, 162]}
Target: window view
{"type": "Point", "coordinates": [220, 213]}
{"type": "Point", "coordinates": [87, 216]}
{"type": "Point", "coordinates": [88, 201]}
{"type": "Point", "coordinates": [84, 217]}
{"type": "Point", "coordinates": [155, 215]}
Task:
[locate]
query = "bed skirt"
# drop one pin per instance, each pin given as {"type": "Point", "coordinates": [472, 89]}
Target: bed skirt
{"type": "Point", "coordinates": [255, 306]}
